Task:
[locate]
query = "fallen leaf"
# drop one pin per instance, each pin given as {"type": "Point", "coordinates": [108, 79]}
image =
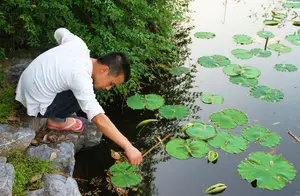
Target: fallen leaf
{"type": "Point", "coordinates": [276, 123]}
{"type": "Point", "coordinates": [53, 155]}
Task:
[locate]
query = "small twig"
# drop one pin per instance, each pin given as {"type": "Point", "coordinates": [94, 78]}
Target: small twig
{"type": "Point", "coordinates": [295, 137]}
{"type": "Point", "coordinates": [157, 144]}
{"type": "Point", "coordinates": [266, 43]}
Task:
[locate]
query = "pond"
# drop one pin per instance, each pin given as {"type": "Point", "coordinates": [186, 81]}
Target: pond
{"type": "Point", "coordinates": [167, 176]}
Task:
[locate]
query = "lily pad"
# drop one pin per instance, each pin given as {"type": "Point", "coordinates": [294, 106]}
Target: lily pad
{"type": "Point", "coordinates": [262, 135]}
{"type": "Point", "coordinates": [214, 61]}
{"type": "Point", "coordinates": [246, 82]}
{"type": "Point", "coordinates": [280, 48]}
{"type": "Point", "coordinates": [235, 144]}
{"type": "Point", "coordinates": [271, 22]}
{"type": "Point", "coordinates": [294, 39]}
{"type": "Point", "coordinates": [271, 172]}
{"type": "Point", "coordinates": [278, 15]}
{"type": "Point", "coordinates": [296, 23]}
{"type": "Point", "coordinates": [242, 53]}
{"type": "Point", "coordinates": [244, 71]}
{"type": "Point", "coordinates": [291, 5]}
{"type": "Point", "coordinates": [184, 149]}
{"type": "Point", "coordinates": [201, 131]}
{"type": "Point", "coordinates": [124, 175]}
{"type": "Point", "coordinates": [219, 140]}
{"type": "Point", "coordinates": [179, 70]}
{"type": "Point", "coordinates": [174, 111]}
{"type": "Point", "coordinates": [205, 35]}
{"type": "Point", "coordinates": [212, 99]}
{"type": "Point", "coordinates": [229, 118]}
{"type": "Point", "coordinates": [267, 94]}
{"type": "Point", "coordinates": [242, 39]}
{"type": "Point", "coordinates": [150, 101]}
{"type": "Point", "coordinates": [212, 156]}
{"type": "Point", "coordinates": [260, 52]}
{"type": "Point", "coordinates": [285, 67]}
{"type": "Point", "coordinates": [265, 34]}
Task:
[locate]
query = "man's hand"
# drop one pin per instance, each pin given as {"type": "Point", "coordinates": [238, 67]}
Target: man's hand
{"type": "Point", "coordinates": [134, 155]}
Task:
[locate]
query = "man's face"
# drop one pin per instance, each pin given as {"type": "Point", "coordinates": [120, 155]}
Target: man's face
{"type": "Point", "coordinates": [104, 81]}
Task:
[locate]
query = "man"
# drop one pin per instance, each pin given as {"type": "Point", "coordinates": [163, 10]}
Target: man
{"type": "Point", "coordinates": [61, 81]}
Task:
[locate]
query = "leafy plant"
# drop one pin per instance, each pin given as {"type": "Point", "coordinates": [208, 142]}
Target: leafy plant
{"type": "Point", "coordinates": [150, 101]}
{"type": "Point", "coordinates": [179, 70]}
{"type": "Point", "coordinates": [242, 39]}
{"type": "Point", "coordinates": [280, 48]}
{"type": "Point", "coordinates": [267, 94]}
{"type": "Point", "coordinates": [184, 149]}
{"type": "Point", "coordinates": [260, 52]}
{"type": "Point", "coordinates": [174, 111]}
{"type": "Point", "coordinates": [214, 61]}
{"type": "Point", "coordinates": [124, 175]}
{"type": "Point", "coordinates": [271, 172]}
{"type": "Point", "coordinates": [241, 53]}
{"type": "Point", "coordinates": [212, 99]}
{"type": "Point", "coordinates": [244, 71]}
{"type": "Point", "coordinates": [229, 118]}
{"type": "Point", "coordinates": [205, 35]}
{"type": "Point", "coordinates": [285, 67]}
{"type": "Point", "coordinates": [219, 140]}
{"type": "Point", "coordinates": [265, 34]}
{"type": "Point", "coordinates": [201, 131]}
{"type": "Point", "coordinates": [291, 5]}
{"type": "Point", "coordinates": [294, 39]}
{"type": "Point", "coordinates": [246, 82]}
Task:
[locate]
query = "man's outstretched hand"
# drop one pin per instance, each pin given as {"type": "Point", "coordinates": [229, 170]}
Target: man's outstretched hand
{"type": "Point", "coordinates": [134, 155]}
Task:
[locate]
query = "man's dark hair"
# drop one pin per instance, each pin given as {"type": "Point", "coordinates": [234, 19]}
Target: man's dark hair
{"type": "Point", "coordinates": [118, 64]}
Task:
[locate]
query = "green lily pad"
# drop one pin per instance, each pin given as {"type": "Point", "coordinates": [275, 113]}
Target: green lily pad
{"type": "Point", "coordinates": [212, 156]}
{"type": "Point", "coordinates": [271, 22]}
{"type": "Point", "coordinates": [246, 82]}
{"type": "Point", "coordinates": [205, 35]}
{"type": "Point", "coordinates": [265, 34]}
{"type": "Point", "coordinates": [296, 23]}
{"type": "Point", "coordinates": [174, 111]}
{"type": "Point", "coordinates": [212, 99]}
{"type": "Point", "coordinates": [214, 61]}
{"type": "Point", "coordinates": [291, 5]}
{"type": "Point", "coordinates": [201, 131]}
{"type": "Point", "coordinates": [124, 175]}
{"type": "Point", "coordinates": [150, 101]}
{"type": "Point", "coordinates": [280, 48]}
{"type": "Point", "coordinates": [229, 118]}
{"type": "Point", "coordinates": [184, 149]}
{"type": "Point", "coordinates": [262, 135]}
{"type": "Point", "coordinates": [244, 71]}
{"type": "Point", "coordinates": [294, 39]}
{"type": "Point", "coordinates": [235, 144]}
{"type": "Point", "coordinates": [219, 140]}
{"type": "Point", "coordinates": [179, 70]}
{"type": "Point", "coordinates": [278, 15]}
{"type": "Point", "coordinates": [285, 67]}
{"type": "Point", "coordinates": [267, 94]}
{"type": "Point", "coordinates": [242, 53]}
{"type": "Point", "coordinates": [271, 172]}
{"type": "Point", "coordinates": [242, 39]}
{"type": "Point", "coordinates": [260, 52]}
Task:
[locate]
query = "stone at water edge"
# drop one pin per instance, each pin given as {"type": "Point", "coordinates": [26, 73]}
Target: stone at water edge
{"type": "Point", "coordinates": [7, 174]}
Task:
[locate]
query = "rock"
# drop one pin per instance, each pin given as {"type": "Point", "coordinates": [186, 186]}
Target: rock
{"type": "Point", "coordinates": [6, 177]}
{"type": "Point", "coordinates": [14, 138]}
{"type": "Point", "coordinates": [61, 155]}
{"type": "Point", "coordinates": [57, 185]}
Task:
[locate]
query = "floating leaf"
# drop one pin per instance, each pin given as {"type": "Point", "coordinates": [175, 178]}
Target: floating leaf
{"type": "Point", "coordinates": [242, 39]}
{"type": "Point", "coordinates": [294, 39]}
{"type": "Point", "coordinates": [285, 67]}
{"type": "Point", "coordinates": [179, 70]}
{"type": "Point", "coordinates": [184, 149]}
{"type": "Point", "coordinates": [212, 156]}
{"type": "Point", "coordinates": [260, 52]}
{"type": "Point", "coordinates": [265, 34]}
{"type": "Point", "coordinates": [229, 118]}
{"type": "Point", "coordinates": [245, 71]}
{"type": "Point", "coordinates": [124, 175]}
{"type": "Point", "coordinates": [219, 140]}
{"type": "Point", "coordinates": [291, 5]}
{"type": "Point", "coordinates": [278, 15]}
{"type": "Point", "coordinates": [280, 48]}
{"type": "Point", "coordinates": [246, 82]}
{"type": "Point", "coordinates": [266, 93]}
{"type": "Point", "coordinates": [201, 131]}
{"type": "Point", "coordinates": [271, 22]}
{"type": "Point", "coordinates": [150, 101]}
{"type": "Point", "coordinates": [205, 35]}
{"type": "Point", "coordinates": [214, 61]}
{"type": "Point", "coordinates": [217, 188]}
{"type": "Point", "coordinates": [296, 23]}
{"type": "Point", "coordinates": [235, 144]}
{"type": "Point", "coordinates": [270, 171]}
{"type": "Point", "coordinates": [242, 53]}
{"type": "Point", "coordinates": [212, 99]}
{"type": "Point", "coordinates": [174, 111]}
{"type": "Point", "coordinates": [262, 135]}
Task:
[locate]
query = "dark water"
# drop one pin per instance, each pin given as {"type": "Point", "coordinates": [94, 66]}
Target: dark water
{"type": "Point", "coordinates": [166, 176]}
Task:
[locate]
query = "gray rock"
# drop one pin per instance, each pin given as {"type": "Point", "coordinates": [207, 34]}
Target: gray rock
{"type": "Point", "coordinates": [57, 185]}
{"type": "Point", "coordinates": [61, 155]}
{"type": "Point", "coordinates": [6, 178]}
{"type": "Point", "coordinates": [14, 138]}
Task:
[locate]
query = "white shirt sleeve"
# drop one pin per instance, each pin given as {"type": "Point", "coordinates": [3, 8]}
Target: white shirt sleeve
{"type": "Point", "coordinates": [63, 35]}
{"type": "Point", "coordinates": [81, 85]}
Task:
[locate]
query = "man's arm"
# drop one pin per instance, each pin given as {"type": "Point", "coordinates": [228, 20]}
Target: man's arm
{"type": "Point", "coordinates": [104, 124]}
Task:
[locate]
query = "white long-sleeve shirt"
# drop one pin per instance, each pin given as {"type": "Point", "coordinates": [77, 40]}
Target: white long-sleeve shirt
{"type": "Point", "coordinates": [65, 67]}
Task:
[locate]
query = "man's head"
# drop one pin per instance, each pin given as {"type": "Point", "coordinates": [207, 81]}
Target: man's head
{"type": "Point", "coordinates": [111, 70]}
